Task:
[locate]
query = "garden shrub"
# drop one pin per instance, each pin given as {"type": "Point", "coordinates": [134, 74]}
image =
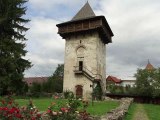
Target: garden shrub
{"type": "Point", "coordinates": [74, 109]}
{"type": "Point", "coordinates": [68, 94]}
{"type": "Point", "coordinates": [9, 110]}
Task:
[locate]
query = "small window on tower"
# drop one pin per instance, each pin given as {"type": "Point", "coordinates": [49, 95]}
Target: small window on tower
{"type": "Point", "coordinates": [80, 41]}
{"type": "Point", "coordinates": [80, 65]}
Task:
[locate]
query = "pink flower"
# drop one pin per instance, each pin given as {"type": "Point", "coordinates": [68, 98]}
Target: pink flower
{"type": "Point", "coordinates": [64, 110]}
{"type": "Point", "coordinates": [55, 97]}
{"type": "Point", "coordinates": [54, 113]}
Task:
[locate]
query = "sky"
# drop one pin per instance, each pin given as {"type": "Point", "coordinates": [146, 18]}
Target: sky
{"type": "Point", "coordinates": [135, 24]}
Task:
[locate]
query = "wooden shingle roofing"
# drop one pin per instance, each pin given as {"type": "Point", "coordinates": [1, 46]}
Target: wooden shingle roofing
{"type": "Point", "coordinates": [85, 12]}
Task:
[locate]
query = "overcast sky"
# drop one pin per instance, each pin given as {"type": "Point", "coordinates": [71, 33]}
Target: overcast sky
{"type": "Point", "coordinates": [135, 24]}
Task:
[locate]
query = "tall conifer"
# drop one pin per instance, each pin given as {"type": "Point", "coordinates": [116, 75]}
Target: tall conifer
{"type": "Point", "coordinates": [12, 45]}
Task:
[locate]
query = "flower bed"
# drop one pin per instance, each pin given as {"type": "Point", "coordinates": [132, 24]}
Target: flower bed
{"type": "Point", "coordinates": [9, 110]}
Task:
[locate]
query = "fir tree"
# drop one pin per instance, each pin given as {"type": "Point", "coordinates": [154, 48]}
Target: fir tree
{"type": "Point", "coordinates": [12, 45]}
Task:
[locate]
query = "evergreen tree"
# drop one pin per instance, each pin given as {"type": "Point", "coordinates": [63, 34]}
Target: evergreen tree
{"type": "Point", "coordinates": [12, 45]}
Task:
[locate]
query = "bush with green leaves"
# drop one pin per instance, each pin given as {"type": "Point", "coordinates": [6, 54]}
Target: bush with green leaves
{"type": "Point", "coordinates": [148, 82]}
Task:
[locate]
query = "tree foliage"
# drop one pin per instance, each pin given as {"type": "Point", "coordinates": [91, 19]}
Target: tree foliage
{"type": "Point", "coordinates": [12, 45]}
{"type": "Point", "coordinates": [53, 84]}
{"type": "Point", "coordinates": [148, 82]}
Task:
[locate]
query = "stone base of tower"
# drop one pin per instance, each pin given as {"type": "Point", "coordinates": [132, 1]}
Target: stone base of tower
{"type": "Point", "coordinates": [81, 87]}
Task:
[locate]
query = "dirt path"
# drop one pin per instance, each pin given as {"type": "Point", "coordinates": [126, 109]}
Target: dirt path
{"type": "Point", "coordinates": [140, 113]}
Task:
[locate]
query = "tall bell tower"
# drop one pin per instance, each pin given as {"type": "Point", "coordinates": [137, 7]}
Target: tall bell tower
{"type": "Point", "coordinates": [86, 37]}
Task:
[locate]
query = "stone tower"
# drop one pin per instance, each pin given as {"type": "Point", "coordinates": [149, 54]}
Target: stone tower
{"type": "Point", "coordinates": [86, 37]}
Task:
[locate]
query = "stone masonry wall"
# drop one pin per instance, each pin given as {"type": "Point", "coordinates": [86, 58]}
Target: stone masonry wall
{"type": "Point", "coordinates": [120, 112]}
{"type": "Point", "coordinates": [89, 49]}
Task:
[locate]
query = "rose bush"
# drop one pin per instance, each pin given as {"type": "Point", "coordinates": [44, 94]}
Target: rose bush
{"type": "Point", "coordinates": [74, 109]}
{"type": "Point", "coordinates": [9, 110]}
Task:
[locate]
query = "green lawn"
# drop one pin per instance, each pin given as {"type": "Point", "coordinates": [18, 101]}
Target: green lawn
{"type": "Point", "coordinates": [152, 111]}
{"type": "Point", "coordinates": [131, 112]}
{"type": "Point", "coordinates": [99, 108]}
{"type": "Point", "coordinates": [41, 103]}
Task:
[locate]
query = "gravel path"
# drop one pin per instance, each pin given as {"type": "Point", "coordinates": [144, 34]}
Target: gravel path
{"type": "Point", "coordinates": [140, 113]}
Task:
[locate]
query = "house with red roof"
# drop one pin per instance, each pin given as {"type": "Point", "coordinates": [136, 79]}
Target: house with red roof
{"type": "Point", "coordinates": [124, 83]}
{"type": "Point", "coordinates": [130, 83]}
{"type": "Point", "coordinates": [113, 80]}
{"type": "Point", "coordinates": [116, 81]}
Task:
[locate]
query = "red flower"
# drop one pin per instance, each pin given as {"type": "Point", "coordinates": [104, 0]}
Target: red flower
{"type": "Point", "coordinates": [64, 110]}
{"type": "Point", "coordinates": [18, 115]}
{"type": "Point", "coordinates": [12, 110]}
{"type": "Point", "coordinates": [49, 111]}
{"type": "Point", "coordinates": [3, 102]}
{"type": "Point", "coordinates": [38, 115]}
{"type": "Point", "coordinates": [10, 102]}
{"type": "Point", "coordinates": [33, 118]}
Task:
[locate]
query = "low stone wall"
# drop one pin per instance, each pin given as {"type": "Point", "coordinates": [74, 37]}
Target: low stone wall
{"type": "Point", "coordinates": [119, 112]}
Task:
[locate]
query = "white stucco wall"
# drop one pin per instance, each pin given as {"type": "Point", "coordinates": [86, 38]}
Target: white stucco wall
{"type": "Point", "coordinates": [126, 83]}
{"type": "Point", "coordinates": [89, 49]}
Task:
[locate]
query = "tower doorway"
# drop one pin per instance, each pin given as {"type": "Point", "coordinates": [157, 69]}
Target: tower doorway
{"type": "Point", "coordinates": [79, 91]}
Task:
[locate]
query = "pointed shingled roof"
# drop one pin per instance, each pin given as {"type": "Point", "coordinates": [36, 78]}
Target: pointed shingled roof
{"type": "Point", "coordinates": [85, 12]}
{"type": "Point", "coordinates": [149, 66]}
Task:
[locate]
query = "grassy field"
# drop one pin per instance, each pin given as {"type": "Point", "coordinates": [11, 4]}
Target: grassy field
{"type": "Point", "coordinates": [152, 111]}
{"type": "Point", "coordinates": [131, 112]}
{"type": "Point", "coordinates": [99, 107]}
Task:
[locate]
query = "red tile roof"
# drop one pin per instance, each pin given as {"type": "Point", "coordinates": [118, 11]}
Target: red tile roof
{"type": "Point", "coordinates": [31, 80]}
{"type": "Point", "coordinates": [114, 79]}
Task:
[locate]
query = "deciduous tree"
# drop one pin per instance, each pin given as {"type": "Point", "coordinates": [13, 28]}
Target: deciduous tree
{"type": "Point", "coordinates": [148, 82]}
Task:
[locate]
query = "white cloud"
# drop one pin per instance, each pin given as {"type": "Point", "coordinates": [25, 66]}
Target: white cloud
{"type": "Point", "coordinates": [135, 25]}
{"type": "Point", "coordinates": [50, 4]}
{"type": "Point", "coordinates": [45, 47]}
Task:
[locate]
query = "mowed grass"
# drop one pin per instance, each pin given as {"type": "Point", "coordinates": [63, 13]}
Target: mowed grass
{"type": "Point", "coordinates": [152, 111]}
{"type": "Point", "coordinates": [131, 111]}
{"type": "Point", "coordinates": [102, 107]}
{"type": "Point", "coordinates": [41, 103]}
{"type": "Point", "coordinates": [99, 107]}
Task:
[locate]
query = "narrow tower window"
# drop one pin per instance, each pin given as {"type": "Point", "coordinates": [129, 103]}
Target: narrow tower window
{"type": "Point", "coordinates": [80, 65]}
